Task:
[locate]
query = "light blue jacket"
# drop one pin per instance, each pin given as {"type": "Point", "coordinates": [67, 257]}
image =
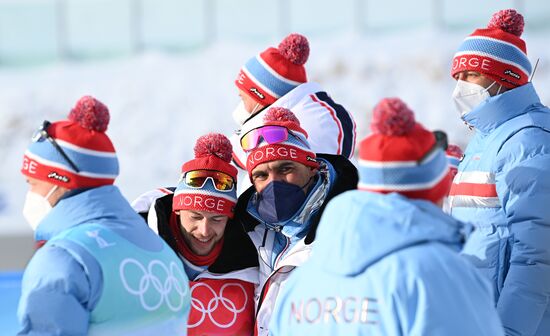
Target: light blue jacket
{"type": "Point", "coordinates": [503, 188]}
{"type": "Point", "coordinates": [385, 265]}
{"type": "Point", "coordinates": [102, 272]}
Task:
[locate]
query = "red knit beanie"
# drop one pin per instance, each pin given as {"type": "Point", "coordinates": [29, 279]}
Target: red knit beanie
{"type": "Point", "coordinates": [401, 155]}
{"type": "Point", "coordinates": [496, 51]}
{"type": "Point", "coordinates": [276, 71]}
{"type": "Point", "coordinates": [74, 153]}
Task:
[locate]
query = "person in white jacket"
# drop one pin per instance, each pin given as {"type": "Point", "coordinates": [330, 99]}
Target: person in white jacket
{"type": "Point", "coordinates": [291, 187]}
{"type": "Point", "coordinates": [277, 77]}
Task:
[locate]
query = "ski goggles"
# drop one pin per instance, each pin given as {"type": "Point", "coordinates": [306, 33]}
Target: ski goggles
{"type": "Point", "coordinates": [271, 134]}
{"type": "Point", "coordinates": [441, 142]}
{"type": "Point", "coordinates": [42, 134]}
{"type": "Point", "coordinates": [198, 178]}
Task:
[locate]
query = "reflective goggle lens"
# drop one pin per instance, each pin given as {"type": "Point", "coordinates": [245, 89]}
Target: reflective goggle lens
{"type": "Point", "coordinates": [271, 134]}
{"type": "Point", "coordinates": [197, 179]}
{"type": "Point", "coordinates": [41, 134]}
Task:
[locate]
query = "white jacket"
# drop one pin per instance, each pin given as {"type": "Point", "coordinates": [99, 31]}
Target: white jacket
{"type": "Point", "coordinates": [273, 280]}
{"type": "Point", "coordinates": [330, 128]}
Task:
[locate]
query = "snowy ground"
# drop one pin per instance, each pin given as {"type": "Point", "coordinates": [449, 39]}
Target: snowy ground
{"type": "Point", "coordinates": [160, 103]}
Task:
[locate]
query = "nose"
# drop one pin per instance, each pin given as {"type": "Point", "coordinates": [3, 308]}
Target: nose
{"type": "Point", "coordinates": [275, 176]}
{"type": "Point", "coordinates": [203, 228]}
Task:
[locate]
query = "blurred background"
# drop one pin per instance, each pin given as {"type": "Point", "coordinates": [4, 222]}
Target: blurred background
{"type": "Point", "coordinates": [165, 68]}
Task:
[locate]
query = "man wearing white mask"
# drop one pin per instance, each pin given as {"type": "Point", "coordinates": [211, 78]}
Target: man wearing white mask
{"type": "Point", "coordinates": [100, 270]}
{"type": "Point", "coordinates": [503, 184]}
{"type": "Point", "coordinates": [277, 77]}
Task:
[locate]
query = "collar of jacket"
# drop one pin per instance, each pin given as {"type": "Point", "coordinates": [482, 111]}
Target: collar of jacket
{"type": "Point", "coordinates": [91, 205]}
{"type": "Point", "coordinates": [496, 110]}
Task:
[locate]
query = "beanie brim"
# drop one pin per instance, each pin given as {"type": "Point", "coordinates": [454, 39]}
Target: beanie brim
{"type": "Point", "coordinates": [203, 200]}
{"type": "Point", "coordinates": [433, 194]}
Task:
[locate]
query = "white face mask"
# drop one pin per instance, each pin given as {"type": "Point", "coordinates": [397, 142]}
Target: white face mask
{"type": "Point", "coordinates": [467, 96]}
{"type": "Point", "coordinates": [37, 207]}
{"type": "Point", "coordinates": [240, 114]}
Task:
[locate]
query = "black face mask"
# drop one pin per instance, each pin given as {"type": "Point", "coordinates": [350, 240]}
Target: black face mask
{"type": "Point", "coordinates": [279, 201]}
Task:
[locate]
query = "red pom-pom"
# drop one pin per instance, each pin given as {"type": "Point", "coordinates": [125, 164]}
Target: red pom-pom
{"type": "Point", "coordinates": [91, 114]}
{"type": "Point", "coordinates": [280, 114]}
{"type": "Point", "coordinates": [214, 144]}
{"type": "Point", "coordinates": [295, 48]}
{"type": "Point", "coordinates": [392, 117]}
{"type": "Point", "coordinates": [454, 151]}
{"type": "Point", "coordinates": [508, 20]}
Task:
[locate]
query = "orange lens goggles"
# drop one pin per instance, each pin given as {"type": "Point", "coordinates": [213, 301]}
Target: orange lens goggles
{"type": "Point", "coordinates": [197, 179]}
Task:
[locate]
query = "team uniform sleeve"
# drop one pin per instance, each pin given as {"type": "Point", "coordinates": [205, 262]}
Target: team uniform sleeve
{"type": "Point", "coordinates": [524, 190]}
{"type": "Point", "coordinates": [331, 128]}
{"type": "Point", "coordinates": [56, 295]}
{"type": "Point", "coordinates": [322, 126]}
{"type": "Point", "coordinates": [143, 202]}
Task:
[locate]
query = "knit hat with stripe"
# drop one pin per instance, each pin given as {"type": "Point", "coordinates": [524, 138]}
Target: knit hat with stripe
{"type": "Point", "coordinates": [212, 152]}
{"type": "Point", "coordinates": [294, 148]}
{"type": "Point", "coordinates": [496, 51]}
{"type": "Point", "coordinates": [83, 140]}
{"type": "Point", "coordinates": [401, 155]}
{"type": "Point", "coordinates": [276, 71]}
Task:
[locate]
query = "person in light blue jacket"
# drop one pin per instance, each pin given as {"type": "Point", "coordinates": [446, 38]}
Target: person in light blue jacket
{"type": "Point", "coordinates": [503, 182]}
{"type": "Point", "coordinates": [100, 270]}
{"type": "Point", "coordinates": [386, 260]}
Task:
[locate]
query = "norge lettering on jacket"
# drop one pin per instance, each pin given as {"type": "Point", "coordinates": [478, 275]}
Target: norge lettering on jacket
{"type": "Point", "coordinates": [335, 310]}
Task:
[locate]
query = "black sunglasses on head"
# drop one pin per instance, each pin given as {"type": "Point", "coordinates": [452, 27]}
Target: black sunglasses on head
{"type": "Point", "coordinates": [42, 134]}
{"type": "Point", "coordinates": [441, 141]}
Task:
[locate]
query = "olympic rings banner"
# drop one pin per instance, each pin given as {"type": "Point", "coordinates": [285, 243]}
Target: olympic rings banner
{"type": "Point", "coordinates": [221, 307]}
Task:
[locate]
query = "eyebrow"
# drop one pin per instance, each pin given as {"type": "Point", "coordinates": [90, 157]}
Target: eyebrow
{"type": "Point", "coordinates": [258, 173]}
{"type": "Point", "coordinates": [284, 165]}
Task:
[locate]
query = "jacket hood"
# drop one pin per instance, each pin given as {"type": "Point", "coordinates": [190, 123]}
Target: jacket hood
{"type": "Point", "coordinates": [359, 228]}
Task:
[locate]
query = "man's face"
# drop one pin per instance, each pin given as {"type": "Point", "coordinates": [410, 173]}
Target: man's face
{"type": "Point", "coordinates": [282, 170]}
{"type": "Point", "coordinates": [249, 104]}
{"type": "Point", "coordinates": [43, 188]}
{"type": "Point", "coordinates": [202, 229]}
{"type": "Point", "coordinates": [480, 79]}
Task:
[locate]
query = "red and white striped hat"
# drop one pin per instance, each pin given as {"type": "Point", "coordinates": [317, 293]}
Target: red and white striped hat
{"type": "Point", "coordinates": [294, 148]}
{"type": "Point", "coordinates": [212, 152]}
{"type": "Point", "coordinates": [275, 71]}
{"type": "Point", "coordinates": [74, 153]}
{"type": "Point", "coordinates": [402, 156]}
{"type": "Point", "coordinates": [496, 51]}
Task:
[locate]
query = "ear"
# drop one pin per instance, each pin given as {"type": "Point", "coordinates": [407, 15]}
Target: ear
{"type": "Point", "coordinates": [313, 171]}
